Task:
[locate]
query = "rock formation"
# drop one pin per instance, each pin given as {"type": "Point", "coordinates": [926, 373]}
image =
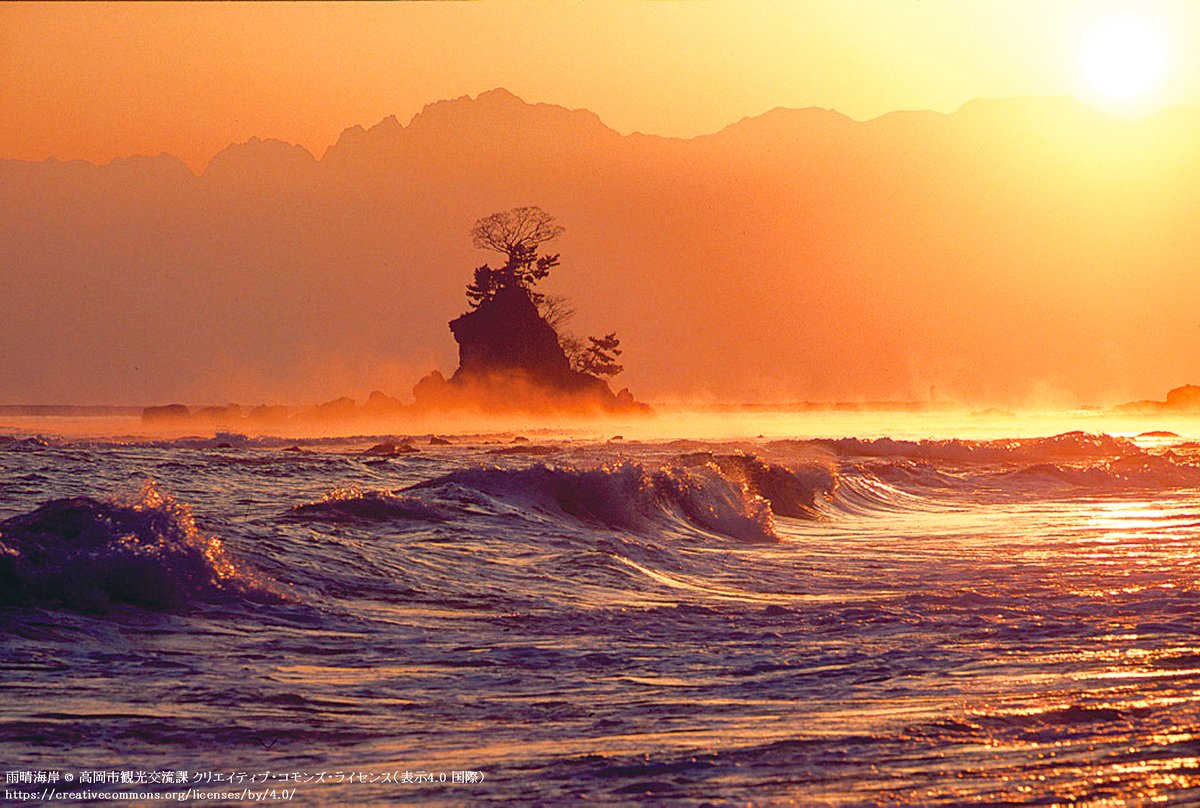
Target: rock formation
{"type": "Point", "coordinates": [510, 359]}
{"type": "Point", "coordinates": [1183, 400]}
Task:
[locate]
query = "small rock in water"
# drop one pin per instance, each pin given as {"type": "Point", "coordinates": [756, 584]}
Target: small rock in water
{"type": "Point", "coordinates": [520, 439]}
{"type": "Point", "coordinates": [390, 449]}
{"type": "Point", "coordinates": [438, 441]}
{"type": "Point", "coordinates": [531, 449]}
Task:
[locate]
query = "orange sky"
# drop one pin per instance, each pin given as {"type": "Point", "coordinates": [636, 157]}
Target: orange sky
{"type": "Point", "coordinates": [1006, 251]}
{"type": "Point", "coordinates": [97, 81]}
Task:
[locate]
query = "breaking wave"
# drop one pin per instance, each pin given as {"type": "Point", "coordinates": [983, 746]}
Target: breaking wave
{"type": "Point", "coordinates": [88, 554]}
{"type": "Point", "coordinates": [624, 495]}
{"type": "Point", "coordinates": [793, 492]}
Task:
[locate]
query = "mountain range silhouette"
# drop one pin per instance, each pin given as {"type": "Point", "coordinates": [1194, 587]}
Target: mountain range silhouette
{"type": "Point", "coordinates": [1014, 247]}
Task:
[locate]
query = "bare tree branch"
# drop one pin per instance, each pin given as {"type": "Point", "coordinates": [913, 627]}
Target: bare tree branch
{"type": "Point", "coordinates": [515, 232]}
{"type": "Point", "coordinates": [556, 310]}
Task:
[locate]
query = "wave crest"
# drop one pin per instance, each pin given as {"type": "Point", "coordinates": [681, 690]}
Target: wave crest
{"type": "Point", "coordinates": [625, 495]}
{"type": "Point", "coordinates": [1069, 445]}
{"type": "Point", "coordinates": [352, 504]}
{"type": "Point", "coordinates": [792, 492]}
{"type": "Point", "coordinates": [87, 554]}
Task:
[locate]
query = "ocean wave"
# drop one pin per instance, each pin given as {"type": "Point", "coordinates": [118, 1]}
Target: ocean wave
{"type": "Point", "coordinates": [1018, 466]}
{"type": "Point", "coordinates": [352, 504]}
{"type": "Point", "coordinates": [793, 492]}
{"type": "Point", "coordinates": [863, 493]}
{"type": "Point", "coordinates": [625, 495]}
{"type": "Point", "coordinates": [30, 444]}
{"type": "Point", "coordinates": [87, 554]}
{"type": "Point", "coordinates": [1132, 471]}
{"type": "Point", "coordinates": [1079, 445]}
{"type": "Point", "coordinates": [919, 474]}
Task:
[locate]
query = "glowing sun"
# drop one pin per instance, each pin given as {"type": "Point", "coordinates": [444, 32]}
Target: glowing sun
{"type": "Point", "coordinates": [1123, 59]}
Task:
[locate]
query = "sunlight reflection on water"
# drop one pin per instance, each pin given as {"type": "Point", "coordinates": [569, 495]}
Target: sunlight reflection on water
{"type": "Point", "coordinates": [941, 631]}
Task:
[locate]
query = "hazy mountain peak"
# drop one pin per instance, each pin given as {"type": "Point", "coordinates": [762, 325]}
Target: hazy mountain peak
{"type": "Point", "coordinates": [789, 118]}
{"type": "Point", "coordinates": [966, 249]}
{"type": "Point", "coordinates": [259, 161]}
{"type": "Point", "coordinates": [500, 109]}
{"type": "Point", "coordinates": [161, 164]}
{"type": "Point", "coordinates": [499, 95]}
{"type": "Point", "coordinates": [495, 114]}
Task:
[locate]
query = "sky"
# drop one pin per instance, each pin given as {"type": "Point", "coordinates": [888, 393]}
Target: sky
{"type": "Point", "coordinates": [1038, 247]}
{"type": "Point", "coordinates": [96, 81]}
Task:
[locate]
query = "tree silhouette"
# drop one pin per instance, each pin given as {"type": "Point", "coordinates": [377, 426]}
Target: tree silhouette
{"type": "Point", "coordinates": [599, 358]}
{"type": "Point", "coordinates": [595, 355]}
{"type": "Point", "coordinates": [516, 234]}
{"type": "Point", "coordinates": [516, 229]}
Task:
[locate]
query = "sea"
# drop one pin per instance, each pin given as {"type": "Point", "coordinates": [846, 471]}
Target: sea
{"type": "Point", "coordinates": [881, 610]}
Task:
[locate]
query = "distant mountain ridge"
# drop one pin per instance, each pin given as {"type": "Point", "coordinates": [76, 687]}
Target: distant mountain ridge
{"type": "Point", "coordinates": [1022, 247]}
{"type": "Point", "coordinates": [465, 110]}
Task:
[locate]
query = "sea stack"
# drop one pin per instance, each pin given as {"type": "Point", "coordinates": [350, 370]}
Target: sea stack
{"type": "Point", "coordinates": [509, 358]}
